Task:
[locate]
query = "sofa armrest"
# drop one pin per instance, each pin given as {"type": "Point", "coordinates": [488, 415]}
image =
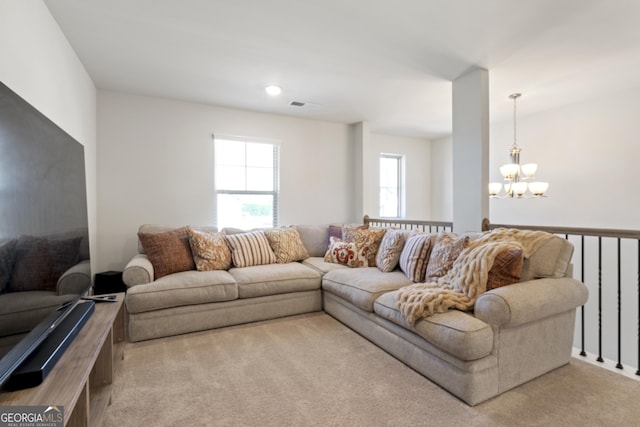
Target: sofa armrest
{"type": "Point", "coordinates": [138, 271]}
{"type": "Point", "coordinates": [528, 301]}
{"type": "Point", "coordinates": [76, 280]}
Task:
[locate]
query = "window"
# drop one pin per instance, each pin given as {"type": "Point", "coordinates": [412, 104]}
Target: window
{"type": "Point", "coordinates": [246, 183]}
{"type": "Point", "coordinates": [390, 186]}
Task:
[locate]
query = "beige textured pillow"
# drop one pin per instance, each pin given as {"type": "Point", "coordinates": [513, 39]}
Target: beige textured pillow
{"type": "Point", "coordinates": [345, 253]}
{"type": "Point", "coordinates": [210, 250]}
{"type": "Point", "coordinates": [367, 239]}
{"type": "Point", "coordinates": [286, 245]}
{"type": "Point", "coordinates": [168, 252]}
{"type": "Point", "coordinates": [414, 256]}
{"type": "Point", "coordinates": [445, 251]}
{"type": "Point", "coordinates": [249, 249]}
{"type": "Point", "coordinates": [390, 249]}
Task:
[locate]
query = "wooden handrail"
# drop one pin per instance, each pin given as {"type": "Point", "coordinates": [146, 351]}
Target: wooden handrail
{"type": "Point", "coordinates": [578, 231]}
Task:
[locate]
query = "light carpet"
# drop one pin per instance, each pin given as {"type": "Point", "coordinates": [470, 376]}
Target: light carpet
{"type": "Point", "coordinates": [311, 370]}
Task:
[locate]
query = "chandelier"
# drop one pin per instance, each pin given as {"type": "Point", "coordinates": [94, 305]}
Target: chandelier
{"type": "Point", "coordinates": [517, 178]}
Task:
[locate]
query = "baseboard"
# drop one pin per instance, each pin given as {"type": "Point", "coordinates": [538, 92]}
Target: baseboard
{"type": "Point", "coordinates": [610, 365]}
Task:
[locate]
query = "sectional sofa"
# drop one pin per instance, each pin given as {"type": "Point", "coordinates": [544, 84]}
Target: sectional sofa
{"type": "Point", "coordinates": [497, 340]}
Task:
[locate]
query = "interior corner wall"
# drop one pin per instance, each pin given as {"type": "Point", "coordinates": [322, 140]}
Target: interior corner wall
{"type": "Point", "coordinates": [417, 159]}
{"type": "Point", "coordinates": [155, 165]}
{"type": "Point", "coordinates": [442, 179]}
{"type": "Point", "coordinates": [39, 65]}
{"type": "Point", "coordinates": [589, 154]}
{"type": "Point", "coordinates": [361, 161]}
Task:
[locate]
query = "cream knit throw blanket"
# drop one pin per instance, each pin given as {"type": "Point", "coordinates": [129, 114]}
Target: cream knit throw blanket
{"type": "Point", "coordinates": [467, 278]}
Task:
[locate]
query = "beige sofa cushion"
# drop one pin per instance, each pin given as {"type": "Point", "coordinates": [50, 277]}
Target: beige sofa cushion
{"type": "Point", "coordinates": [552, 259]}
{"type": "Point", "coordinates": [321, 266]}
{"type": "Point", "coordinates": [315, 238]}
{"type": "Point", "coordinates": [455, 332]}
{"type": "Point", "coordinates": [272, 279]}
{"type": "Point", "coordinates": [184, 288]}
{"type": "Point", "coordinates": [361, 286]}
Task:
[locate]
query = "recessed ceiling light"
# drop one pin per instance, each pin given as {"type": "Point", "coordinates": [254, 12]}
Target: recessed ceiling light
{"type": "Point", "coordinates": [273, 90]}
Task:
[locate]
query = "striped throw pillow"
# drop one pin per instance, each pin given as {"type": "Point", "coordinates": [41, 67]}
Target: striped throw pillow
{"type": "Point", "coordinates": [415, 256]}
{"type": "Point", "coordinates": [248, 249]}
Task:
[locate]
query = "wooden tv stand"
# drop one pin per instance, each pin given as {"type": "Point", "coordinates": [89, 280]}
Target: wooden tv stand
{"type": "Point", "coordinates": [81, 380]}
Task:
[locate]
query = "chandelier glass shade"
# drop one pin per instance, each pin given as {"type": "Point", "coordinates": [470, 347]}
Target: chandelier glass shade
{"type": "Point", "coordinates": [517, 178]}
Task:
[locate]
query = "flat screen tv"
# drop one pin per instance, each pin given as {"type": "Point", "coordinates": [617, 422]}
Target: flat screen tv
{"type": "Point", "coordinates": [44, 242]}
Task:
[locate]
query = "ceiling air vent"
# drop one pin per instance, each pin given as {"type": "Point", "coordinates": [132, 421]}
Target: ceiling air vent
{"type": "Point", "coordinates": [297, 104]}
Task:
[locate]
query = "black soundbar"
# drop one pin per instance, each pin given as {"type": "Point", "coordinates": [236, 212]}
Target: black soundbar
{"type": "Point", "coordinates": [41, 361]}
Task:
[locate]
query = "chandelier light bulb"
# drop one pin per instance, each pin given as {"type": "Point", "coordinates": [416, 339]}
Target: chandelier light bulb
{"type": "Point", "coordinates": [509, 171]}
{"type": "Point", "coordinates": [529, 170]}
{"type": "Point", "coordinates": [538, 188]}
{"type": "Point", "coordinates": [494, 188]}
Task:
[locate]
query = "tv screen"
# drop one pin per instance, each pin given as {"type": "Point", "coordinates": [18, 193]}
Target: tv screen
{"type": "Point", "coordinates": [44, 242]}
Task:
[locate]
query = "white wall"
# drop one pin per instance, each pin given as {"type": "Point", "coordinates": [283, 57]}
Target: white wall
{"type": "Point", "coordinates": [155, 166]}
{"type": "Point", "coordinates": [588, 152]}
{"type": "Point", "coordinates": [39, 65]}
{"type": "Point", "coordinates": [417, 155]}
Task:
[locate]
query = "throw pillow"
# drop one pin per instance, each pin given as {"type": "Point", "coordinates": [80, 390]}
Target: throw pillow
{"type": "Point", "coordinates": [506, 268]}
{"type": "Point", "coordinates": [445, 251]}
{"type": "Point", "coordinates": [390, 249]}
{"type": "Point", "coordinates": [286, 245]}
{"type": "Point", "coordinates": [367, 239]}
{"type": "Point", "coordinates": [249, 249]}
{"type": "Point", "coordinates": [32, 266]}
{"type": "Point", "coordinates": [169, 252]}
{"type": "Point", "coordinates": [7, 257]}
{"type": "Point", "coordinates": [345, 253]}
{"type": "Point", "coordinates": [414, 256]}
{"type": "Point", "coordinates": [210, 250]}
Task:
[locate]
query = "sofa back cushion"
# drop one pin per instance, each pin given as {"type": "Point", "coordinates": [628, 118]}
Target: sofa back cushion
{"type": "Point", "coordinates": [7, 256]}
{"type": "Point", "coordinates": [551, 259]}
{"type": "Point", "coordinates": [39, 262]}
{"type": "Point", "coordinates": [315, 238]}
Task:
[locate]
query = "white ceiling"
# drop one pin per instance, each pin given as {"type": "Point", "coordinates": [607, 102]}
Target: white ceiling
{"type": "Point", "coordinates": [390, 63]}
